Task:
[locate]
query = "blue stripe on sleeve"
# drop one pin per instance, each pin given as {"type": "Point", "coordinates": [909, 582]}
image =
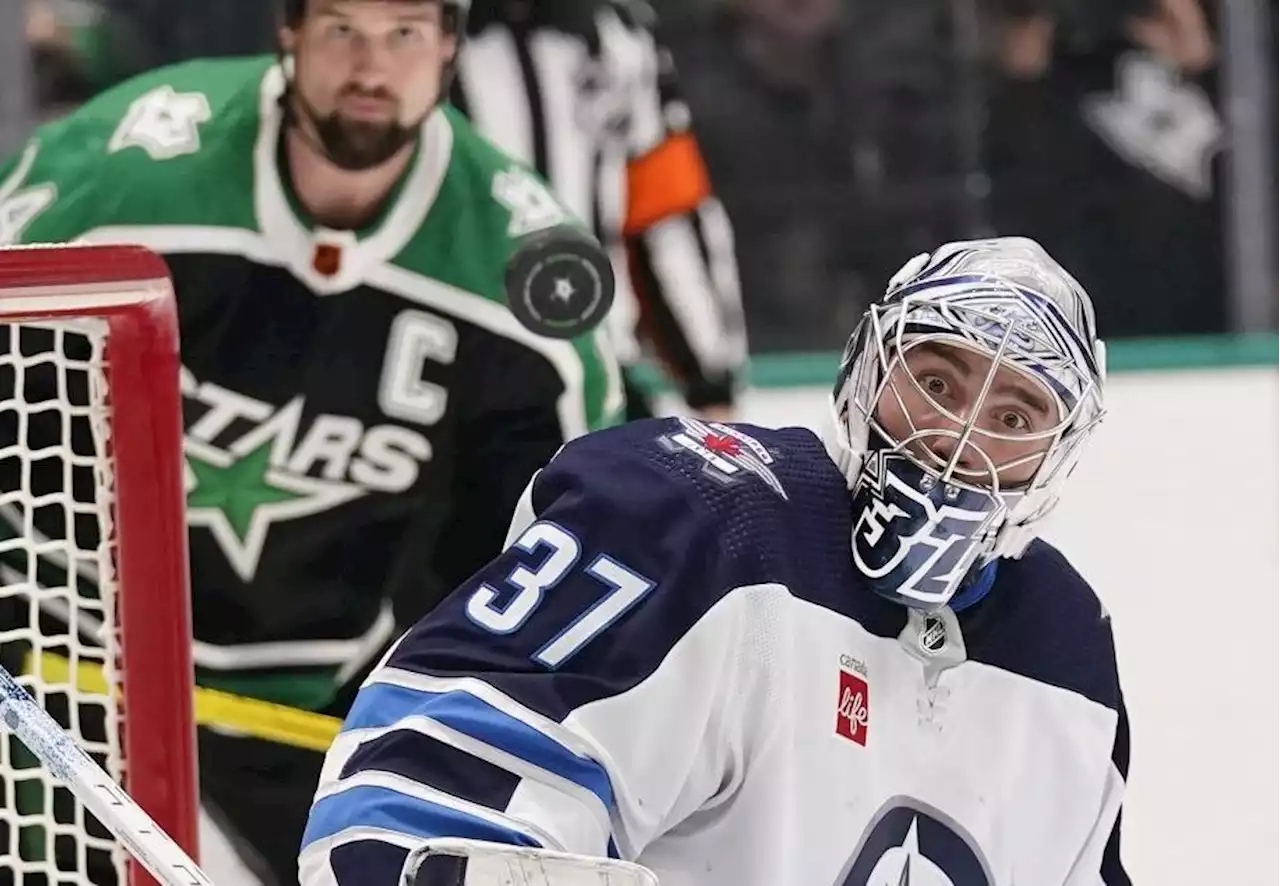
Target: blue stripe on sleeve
{"type": "Point", "coordinates": [379, 807]}
{"type": "Point", "coordinates": [380, 705]}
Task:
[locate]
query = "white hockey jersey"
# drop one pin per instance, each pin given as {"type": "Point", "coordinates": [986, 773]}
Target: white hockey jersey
{"type": "Point", "coordinates": [675, 663]}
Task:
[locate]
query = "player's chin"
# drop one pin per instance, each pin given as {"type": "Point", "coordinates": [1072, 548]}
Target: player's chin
{"type": "Point", "coordinates": [361, 133]}
{"type": "Point", "coordinates": [366, 131]}
{"type": "Point", "coordinates": [357, 144]}
{"type": "Point", "coordinates": [364, 145]}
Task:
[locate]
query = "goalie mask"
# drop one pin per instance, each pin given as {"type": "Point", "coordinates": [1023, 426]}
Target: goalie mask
{"type": "Point", "coordinates": [963, 402]}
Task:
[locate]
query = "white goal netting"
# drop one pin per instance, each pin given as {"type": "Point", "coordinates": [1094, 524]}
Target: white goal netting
{"type": "Point", "coordinates": [58, 630]}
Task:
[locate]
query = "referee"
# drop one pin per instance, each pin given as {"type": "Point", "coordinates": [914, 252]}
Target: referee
{"type": "Point", "coordinates": [579, 90]}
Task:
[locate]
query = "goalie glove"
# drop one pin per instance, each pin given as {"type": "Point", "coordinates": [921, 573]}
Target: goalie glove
{"type": "Point", "coordinates": [451, 862]}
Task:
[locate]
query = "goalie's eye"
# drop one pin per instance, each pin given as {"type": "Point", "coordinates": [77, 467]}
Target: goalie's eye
{"type": "Point", "coordinates": [935, 385]}
{"type": "Point", "coordinates": [1014, 421]}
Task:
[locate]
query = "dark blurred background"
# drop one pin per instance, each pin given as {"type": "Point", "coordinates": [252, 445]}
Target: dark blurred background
{"type": "Point", "coordinates": [1136, 139]}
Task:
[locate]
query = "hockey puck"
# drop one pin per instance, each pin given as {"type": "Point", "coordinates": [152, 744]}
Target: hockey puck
{"type": "Point", "coordinates": [559, 283]}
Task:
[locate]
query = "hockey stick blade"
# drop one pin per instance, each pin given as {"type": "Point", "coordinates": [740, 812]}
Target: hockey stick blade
{"type": "Point", "coordinates": [92, 786]}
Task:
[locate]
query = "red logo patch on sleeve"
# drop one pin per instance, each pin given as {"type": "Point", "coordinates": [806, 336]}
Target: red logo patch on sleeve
{"type": "Point", "coordinates": [853, 707]}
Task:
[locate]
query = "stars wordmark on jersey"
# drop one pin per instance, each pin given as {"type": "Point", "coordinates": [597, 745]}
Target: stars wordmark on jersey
{"type": "Point", "coordinates": [250, 464]}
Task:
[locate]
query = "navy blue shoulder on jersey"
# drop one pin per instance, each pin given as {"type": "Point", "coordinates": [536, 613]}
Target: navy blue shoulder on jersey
{"type": "Point", "coordinates": [797, 534]}
{"type": "Point", "coordinates": [1043, 621]}
{"type": "Point", "coordinates": [641, 530]}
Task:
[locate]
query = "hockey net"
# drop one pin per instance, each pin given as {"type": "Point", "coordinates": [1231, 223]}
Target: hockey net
{"type": "Point", "coordinates": [94, 600]}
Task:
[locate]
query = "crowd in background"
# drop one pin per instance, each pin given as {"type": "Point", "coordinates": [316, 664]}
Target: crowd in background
{"type": "Point", "coordinates": [845, 136]}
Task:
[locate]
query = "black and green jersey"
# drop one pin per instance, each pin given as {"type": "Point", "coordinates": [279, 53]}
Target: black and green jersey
{"type": "Point", "coordinates": [362, 410]}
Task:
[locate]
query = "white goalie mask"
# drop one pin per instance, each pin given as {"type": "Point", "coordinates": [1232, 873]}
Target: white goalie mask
{"type": "Point", "coordinates": [963, 402]}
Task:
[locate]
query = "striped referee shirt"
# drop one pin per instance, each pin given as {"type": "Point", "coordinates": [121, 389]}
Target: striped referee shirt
{"type": "Point", "coordinates": [580, 90]}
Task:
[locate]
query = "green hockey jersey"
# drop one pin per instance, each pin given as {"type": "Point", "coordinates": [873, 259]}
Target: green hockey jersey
{"type": "Point", "coordinates": [362, 410]}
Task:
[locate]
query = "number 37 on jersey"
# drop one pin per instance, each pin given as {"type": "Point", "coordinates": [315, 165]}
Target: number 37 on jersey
{"type": "Point", "coordinates": [550, 555]}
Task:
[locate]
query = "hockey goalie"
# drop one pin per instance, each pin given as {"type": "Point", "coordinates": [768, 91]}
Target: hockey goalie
{"type": "Point", "coordinates": [723, 655]}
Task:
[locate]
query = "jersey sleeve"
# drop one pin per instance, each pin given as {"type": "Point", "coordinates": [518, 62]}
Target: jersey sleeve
{"type": "Point", "coordinates": [137, 154]}
{"type": "Point", "coordinates": [63, 184]}
{"type": "Point", "coordinates": [32, 184]}
{"type": "Point", "coordinates": [1099, 863]}
{"type": "Point", "coordinates": [570, 695]}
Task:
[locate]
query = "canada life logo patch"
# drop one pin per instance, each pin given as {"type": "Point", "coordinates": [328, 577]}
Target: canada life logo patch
{"type": "Point", "coordinates": [853, 705]}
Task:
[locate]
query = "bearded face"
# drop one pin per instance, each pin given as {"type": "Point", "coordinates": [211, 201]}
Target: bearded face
{"type": "Point", "coordinates": [367, 73]}
{"type": "Point", "coordinates": [356, 140]}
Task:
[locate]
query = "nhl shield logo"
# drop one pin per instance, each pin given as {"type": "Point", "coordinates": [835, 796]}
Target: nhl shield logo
{"type": "Point", "coordinates": [933, 635]}
{"type": "Point", "coordinates": [327, 259]}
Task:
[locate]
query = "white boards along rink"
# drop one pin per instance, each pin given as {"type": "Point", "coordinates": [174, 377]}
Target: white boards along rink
{"type": "Point", "coordinates": [1172, 517]}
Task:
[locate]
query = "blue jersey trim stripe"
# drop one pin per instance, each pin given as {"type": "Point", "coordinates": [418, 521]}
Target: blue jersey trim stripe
{"type": "Point", "coordinates": [380, 705]}
{"type": "Point", "coordinates": [371, 806]}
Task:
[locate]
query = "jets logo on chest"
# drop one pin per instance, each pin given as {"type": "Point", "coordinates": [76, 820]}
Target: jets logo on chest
{"type": "Point", "coordinates": [911, 842]}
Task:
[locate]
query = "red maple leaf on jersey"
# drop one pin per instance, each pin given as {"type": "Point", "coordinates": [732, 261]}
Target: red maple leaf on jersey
{"type": "Point", "coordinates": [724, 445]}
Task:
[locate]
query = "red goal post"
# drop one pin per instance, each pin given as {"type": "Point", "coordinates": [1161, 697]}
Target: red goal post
{"type": "Point", "coordinates": [95, 611]}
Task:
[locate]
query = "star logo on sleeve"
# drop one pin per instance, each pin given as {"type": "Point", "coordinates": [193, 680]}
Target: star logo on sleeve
{"type": "Point", "coordinates": [21, 209]}
{"type": "Point", "coordinates": [164, 122]}
{"type": "Point", "coordinates": [19, 205]}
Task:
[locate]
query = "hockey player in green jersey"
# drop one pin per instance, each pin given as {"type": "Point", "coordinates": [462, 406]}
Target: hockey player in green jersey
{"type": "Point", "coordinates": [362, 409]}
